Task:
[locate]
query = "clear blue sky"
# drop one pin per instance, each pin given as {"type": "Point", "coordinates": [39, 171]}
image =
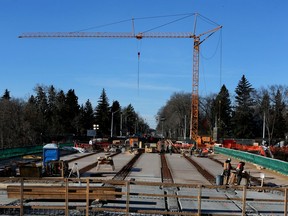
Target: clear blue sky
{"type": "Point", "coordinates": [254, 43]}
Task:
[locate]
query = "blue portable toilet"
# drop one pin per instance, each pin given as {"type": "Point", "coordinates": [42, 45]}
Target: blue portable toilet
{"type": "Point", "coordinates": [51, 152]}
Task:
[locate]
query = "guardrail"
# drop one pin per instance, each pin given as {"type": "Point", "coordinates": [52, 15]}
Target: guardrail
{"type": "Point", "coordinates": [269, 163]}
{"type": "Point", "coordinates": [199, 198]}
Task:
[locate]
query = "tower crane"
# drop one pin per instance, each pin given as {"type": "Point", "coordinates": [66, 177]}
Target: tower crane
{"type": "Point", "coordinates": [151, 35]}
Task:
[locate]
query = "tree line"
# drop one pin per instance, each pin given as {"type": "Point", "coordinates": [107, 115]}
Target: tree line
{"type": "Point", "coordinates": [248, 114]}
{"type": "Point", "coordinates": [53, 115]}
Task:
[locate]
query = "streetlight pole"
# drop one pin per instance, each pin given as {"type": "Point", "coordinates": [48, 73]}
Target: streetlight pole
{"type": "Point", "coordinates": [112, 119]}
{"type": "Point", "coordinates": [121, 124]}
{"type": "Point", "coordinates": [184, 135]}
{"type": "Point", "coordinates": [162, 120]}
{"type": "Point", "coordinates": [95, 127]}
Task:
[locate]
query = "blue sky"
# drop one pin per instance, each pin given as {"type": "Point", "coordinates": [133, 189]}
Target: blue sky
{"type": "Point", "coordinates": [254, 43]}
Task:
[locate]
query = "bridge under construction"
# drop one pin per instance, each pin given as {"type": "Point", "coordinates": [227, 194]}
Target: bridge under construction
{"type": "Point", "coordinates": [140, 183]}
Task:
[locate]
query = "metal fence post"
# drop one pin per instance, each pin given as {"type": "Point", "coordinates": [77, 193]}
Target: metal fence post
{"type": "Point", "coordinates": [199, 199]}
{"type": "Point", "coordinates": [285, 202]}
{"type": "Point", "coordinates": [21, 197]}
{"type": "Point", "coordinates": [244, 200]}
{"type": "Point", "coordinates": [66, 198]}
{"type": "Point", "coordinates": [127, 197]}
{"type": "Point", "coordinates": [87, 196]}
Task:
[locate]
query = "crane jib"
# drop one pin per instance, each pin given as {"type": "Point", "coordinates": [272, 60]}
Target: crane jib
{"type": "Point", "coordinates": [107, 35]}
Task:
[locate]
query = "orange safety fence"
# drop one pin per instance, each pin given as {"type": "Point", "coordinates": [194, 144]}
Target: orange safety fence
{"type": "Point", "coordinates": [283, 149]}
{"type": "Point", "coordinates": [233, 145]}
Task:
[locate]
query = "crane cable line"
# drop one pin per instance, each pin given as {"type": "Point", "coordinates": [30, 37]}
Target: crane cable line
{"type": "Point", "coordinates": [139, 18]}
{"type": "Point", "coordinates": [221, 59]}
{"type": "Point", "coordinates": [219, 48]}
{"type": "Point", "coordinates": [138, 69]}
{"type": "Point", "coordinates": [166, 24]}
{"type": "Point", "coordinates": [219, 44]}
{"type": "Point", "coordinates": [207, 20]}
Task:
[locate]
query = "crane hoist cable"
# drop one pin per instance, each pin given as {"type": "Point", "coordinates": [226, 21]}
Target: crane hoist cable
{"type": "Point", "coordinates": [138, 68]}
{"type": "Point", "coordinates": [218, 48]}
{"type": "Point", "coordinates": [138, 71]}
{"type": "Point", "coordinates": [221, 59]}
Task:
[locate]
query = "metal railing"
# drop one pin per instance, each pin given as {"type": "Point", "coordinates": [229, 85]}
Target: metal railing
{"type": "Point", "coordinates": [196, 195]}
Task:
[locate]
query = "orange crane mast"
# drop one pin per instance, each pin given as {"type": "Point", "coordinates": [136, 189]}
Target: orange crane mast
{"type": "Point", "coordinates": [151, 35]}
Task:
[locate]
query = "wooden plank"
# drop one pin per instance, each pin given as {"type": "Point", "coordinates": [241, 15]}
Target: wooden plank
{"type": "Point", "coordinates": [58, 192]}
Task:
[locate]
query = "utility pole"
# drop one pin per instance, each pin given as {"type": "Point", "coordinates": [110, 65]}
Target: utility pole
{"type": "Point", "coordinates": [184, 135]}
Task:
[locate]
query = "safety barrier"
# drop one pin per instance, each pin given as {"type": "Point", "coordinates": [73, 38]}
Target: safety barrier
{"type": "Point", "coordinates": [269, 163]}
{"type": "Point", "coordinates": [16, 152]}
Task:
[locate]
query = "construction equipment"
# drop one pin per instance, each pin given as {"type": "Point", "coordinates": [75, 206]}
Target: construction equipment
{"type": "Point", "coordinates": [105, 161]}
{"type": "Point", "coordinates": [151, 35]}
{"type": "Point", "coordinates": [150, 147]}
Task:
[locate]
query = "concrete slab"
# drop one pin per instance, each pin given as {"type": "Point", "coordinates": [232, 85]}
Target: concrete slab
{"type": "Point", "coordinates": [183, 171]}
{"type": "Point", "coordinates": [104, 171]}
{"type": "Point", "coordinates": [207, 206]}
{"type": "Point", "coordinates": [147, 168]}
{"type": "Point", "coordinates": [211, 166]}
{"type": "Point", "coordinates": [137, 201]}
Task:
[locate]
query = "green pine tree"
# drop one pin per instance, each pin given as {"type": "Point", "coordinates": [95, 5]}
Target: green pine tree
{"type": "Point", "coordinates": [243, 116]}
{"type": "Point", "coordinates": [222, 112]}
{"type": "Point", "coordinates": [102, 114]}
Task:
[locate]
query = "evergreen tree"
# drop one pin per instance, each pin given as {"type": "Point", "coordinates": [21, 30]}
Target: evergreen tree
{"type": "Point", "coordinates": [87, 118]}
{"type": "Point", "coordinates": [222, 112]}
{"type": "Point", "coordinates": [102, 114]}
{"type": "Point", "coordinates": [117, 115]}
{"type": "Point", "coordinates": [60, 116]}
{"type": "Point", "coordinates": [129, 120]}
{"type": "Point", "coordinates": [6, 95]}
{"type": "Point", "coordinates": [243, 117]}
{"type": "Point", "coordinates": [72, 111]}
